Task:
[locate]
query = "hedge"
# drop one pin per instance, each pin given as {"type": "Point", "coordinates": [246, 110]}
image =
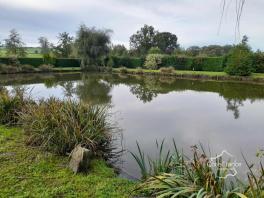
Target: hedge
{"type": "Point", "coordinates": [179, 63]}
{"type": "Point", "coordinates": [58, 62]}
{"type": "Point", "coordinates": [129, 62]}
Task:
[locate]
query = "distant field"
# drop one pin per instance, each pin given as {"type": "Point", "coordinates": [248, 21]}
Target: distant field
{"type": "Point", "coordinates": [32, 52]}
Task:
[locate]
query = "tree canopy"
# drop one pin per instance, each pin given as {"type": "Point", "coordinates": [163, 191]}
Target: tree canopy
{"type": "Point", "coordinates": [92, 44]}
{"type": "Point", "coordinates": [14, 44]}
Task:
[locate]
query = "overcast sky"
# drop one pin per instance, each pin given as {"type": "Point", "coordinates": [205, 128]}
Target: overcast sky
{"type": "Point", "coordinates": [194, 22]}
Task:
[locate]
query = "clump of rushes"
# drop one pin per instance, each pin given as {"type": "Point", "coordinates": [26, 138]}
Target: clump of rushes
{"type": "Point", "coordinates": [139, 70]}
{"type": "Point", "coordinates": [167, 70]}
{"type": "Point", "coordinates": [58, 126]}
{"type": "Point", "coordinates": [174, 175]}
{"type": "Point", "coordinates": [27, 68]}
{"type": "Point", "coordinates": [11, 104]}
{"type": "Point", "coordinates": [123, 70]}
{"type": "Point", "coordinates": [45, 68]}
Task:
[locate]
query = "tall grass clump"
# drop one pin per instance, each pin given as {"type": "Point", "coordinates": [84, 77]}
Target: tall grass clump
{"type": "Point", "coordinates": [172, 174]}
{"type": "Point", "coordinates": [11, 104]}
{"type": "Point", "coordinates": [167, 70]}
{"type": "Point", "coordinates": [58, 126]}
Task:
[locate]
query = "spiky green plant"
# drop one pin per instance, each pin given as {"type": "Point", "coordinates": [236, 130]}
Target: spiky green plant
{"type": "Point", "coordinates": [58, 126]}
{"type": "Point", "coordinates": [186, 177]}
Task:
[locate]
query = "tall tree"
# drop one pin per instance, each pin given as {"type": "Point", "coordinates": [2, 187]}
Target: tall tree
{"type": "Point", "coordinates": [64, 47]}
{"type": "Point", "coordinates": [44, 45]}
{"type": "Point", "coordinates": [166, 42]}
{"type": "Point", "coordinates": [118, 50]}
{"type": "Point", "coordinates": [92, 45]}
{"type": "Point", "coordinates": [15, 45]}
{"type": "Point", "coordinates": [143, 39]}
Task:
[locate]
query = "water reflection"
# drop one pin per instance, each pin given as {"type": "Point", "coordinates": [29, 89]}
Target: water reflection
{"type": "Point", "coordinates": [221, 114]}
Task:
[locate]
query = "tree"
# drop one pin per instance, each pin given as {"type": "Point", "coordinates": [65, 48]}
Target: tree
{"type": "Point", "coordinates": [143, 39]}
{"type": "Point", "coordinates": [14, 44]}
{"type": "Point", "coordinates": [44, 45]}
{"type": "Point", "coordinates": [154, 50]}
{"type": "Point", "coordinates": [64, 47]}
{"type": "Point", "coordinates": [118, 50]}
{"type": "Point", "coordinates": [166, 42]}
{"type": "Point", "coordinates": [193, 50]}
{"type": "Point", "coordinates": [92, 45]}
{"type": "Point", "coordinates": [240, 60]}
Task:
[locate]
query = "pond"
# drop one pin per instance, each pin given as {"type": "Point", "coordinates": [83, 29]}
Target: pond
{"type": "Point", "coordinates": [221, 115]}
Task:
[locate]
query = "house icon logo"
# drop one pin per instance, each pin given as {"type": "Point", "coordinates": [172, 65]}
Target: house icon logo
{"type": "Point", "coordinates": [226, 163]}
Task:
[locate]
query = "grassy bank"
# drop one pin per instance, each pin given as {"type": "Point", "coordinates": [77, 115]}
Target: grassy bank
{"type": "Point", "coordinates": [203, 75]}
{"type": "Point", "coordinates": [29, 172]}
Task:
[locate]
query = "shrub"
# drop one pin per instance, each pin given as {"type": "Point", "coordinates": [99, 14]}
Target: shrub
{"type": "Point", "coordinates": [154, 50]}
{"type": "Point", "coordinates": [139, 70]}
{"type": "Point", "coordinates": [258, 62]}
{"type": "Point", "coordinates": [153, 61]}
{"type": "Point", "coordinates": [7, 69]}
{"type": "Point", "coordinates": [27, 68]}
{"type": "Point", "coordinates": [123, 70]}
{"type": "Point", "coordinates": [167, 70]}
{"type": "Point", "coordinates": [46, 68]}
{"type": "Point", "coordinates": [11, 105]}
{"type": "Point", "coordinates": [13, 61]}
{"type": "Point", "coordinates": [239, 62]}
{"type": "Point", "coordinates": [58, 126]}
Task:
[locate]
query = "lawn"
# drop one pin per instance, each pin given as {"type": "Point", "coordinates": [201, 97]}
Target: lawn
{"type": "Point", "coordinates": [32, 52]}
{"type": "Point", "coordinates": [29, 172]}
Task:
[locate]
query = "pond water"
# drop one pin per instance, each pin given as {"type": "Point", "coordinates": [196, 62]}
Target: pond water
{"type": "Point", "coordinates": [220, 115]}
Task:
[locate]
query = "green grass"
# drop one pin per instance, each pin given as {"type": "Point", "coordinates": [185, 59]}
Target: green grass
{"type": "Point", "coordinates": [28, 172]}
{"type": "Point", "coordinates": [30, 52]}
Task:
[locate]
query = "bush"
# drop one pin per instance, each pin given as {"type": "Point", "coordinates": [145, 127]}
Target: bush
{"type": "Point", "coordinates": [27, 68]}
{"type": "Point", "coordinates": [58, 126]}
{"type": "Point", "coordinates": [123, 70]}
{"type": "Point", "coordinates": [154, 50]}
{"type": "Point", "coordinates": [239, 62]}
{"type": "Point", "coordinates": [13, 61]}
{"type": "Point", "coordinates": [46, 68]}
{"type": "Point", "coordinates": [11, 105]}
{"type": "Point", "coordinates": [7, 69]}
{"type": "Point", "coordinates": [167, 70]}
{"type": "Point", "coordinates": [258, 62]}
{"type": "Point", "coordinates": [67, 62]}
{"type": "Point", "coordinates": [153, 61]}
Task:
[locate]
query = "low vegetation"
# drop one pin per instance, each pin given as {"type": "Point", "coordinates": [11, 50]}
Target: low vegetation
{"type": "Point", "coordinates": [172, 174]}
{"type": "Point", "coordinates": [30, 172]}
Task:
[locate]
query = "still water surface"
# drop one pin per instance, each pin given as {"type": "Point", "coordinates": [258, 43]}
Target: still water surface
{"type": "Point", "coordinates": [220, 115]}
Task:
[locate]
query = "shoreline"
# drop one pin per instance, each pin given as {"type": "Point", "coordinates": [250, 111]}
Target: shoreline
{"type": "Point", "coordinates": [256, 78]}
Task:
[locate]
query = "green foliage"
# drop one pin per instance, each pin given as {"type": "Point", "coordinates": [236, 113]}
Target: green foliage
{"type": "Point", "coordinates": [154, 50]}
{"type": "Point", "coordinates": [258, 62]}
{"type": "Point", "coordinates": [129, 62]}
{"type": "Point", "coordinates": [118, 50]}
{"type": "Point", "coordinates": [64, 47]}
{"type": "Point", "coordinates": [174, 175]}
{"type": "Point", "coordinates": [11, 105]}
{"type": "Point", "coordinates": [14, 45]}
{"type": "Point", "coordinates": [167, 70]}
{"type": "Point", "coordinates": [27, 68]}
{"type": "Point", "coordinates": [45, 68]}
{"type": "Point", "coordinates": [240, 62]}
{"type": "Point", "coordinates": [58, 126]}
{"type": "Point", "coordinates": [67, 62]}
{"type": "Point", "coordinates": [92, 45]}
{"type": "Point", "coordinates": [166, 42]}
{"type": "Point", "coordinates": [123, 70]}
{"type": "Point", "coordinates": [153, 61]}
{"type": "Point", "coordinates": [29, 172]}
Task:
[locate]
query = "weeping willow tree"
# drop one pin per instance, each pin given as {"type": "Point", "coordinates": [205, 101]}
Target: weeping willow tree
{"type": "Point", "coordinates": [239, 6]}
{"type": "Point", "coordinates": [92, 45]}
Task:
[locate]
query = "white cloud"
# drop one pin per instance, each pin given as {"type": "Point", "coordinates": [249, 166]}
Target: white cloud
{"type": "Point", "coordinates": [194, 22]}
